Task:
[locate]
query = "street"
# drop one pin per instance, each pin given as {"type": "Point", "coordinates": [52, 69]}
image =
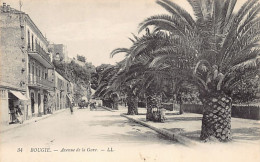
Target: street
{"type": "Point", "coordinates": [100, 136]}
{"type": "Point", "coordinates": [96, 131]}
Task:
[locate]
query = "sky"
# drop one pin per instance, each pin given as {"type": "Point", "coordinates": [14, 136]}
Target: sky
{"type": "Point", "coordinates": [92, 28]}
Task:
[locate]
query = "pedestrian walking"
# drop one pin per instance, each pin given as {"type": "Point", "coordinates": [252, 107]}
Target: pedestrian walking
{"type": "Point", "coordinates": [71, 108]}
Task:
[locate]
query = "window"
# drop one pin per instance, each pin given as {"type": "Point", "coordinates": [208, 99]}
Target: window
{"type": "Point", "coordinates": [29, 66]}
{"type": "Point", "coordinates": [40, 71]}
{"type": "Point", "coordinates": [32, 43]}
{"type": "Point", "coordinates": [29, 42]}
{"type": "Point", "coordinates": [43, 74]}
{"type": "Point", "coordinates": [36, 71]}
{"type": "Point", "coordinates": [36, 44]}
{"type": "Point", "coordinates": [32, 69]}
{"type": "Point", "coordinates": [46, 75]}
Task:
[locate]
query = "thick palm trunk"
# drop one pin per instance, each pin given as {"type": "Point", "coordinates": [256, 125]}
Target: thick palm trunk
{"type": "Point", "coordinates": [151, 103]}
{"type": "Point", "coordinates": [216, 121]}
{"type": "Point", "coordinates": [132, 104]}
{"type": "Point", "coordinates": [154, 101]}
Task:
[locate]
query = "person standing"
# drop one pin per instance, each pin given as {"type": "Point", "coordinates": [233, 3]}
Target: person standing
{"type": "Point", "coordinates": [13, 113]}
{"type": "Point", "coordinates": [19, 114]}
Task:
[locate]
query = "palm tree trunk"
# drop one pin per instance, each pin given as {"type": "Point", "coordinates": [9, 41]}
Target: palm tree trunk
{"type": "Point", "coordinates": [132, 103]}
{"type": "Point", "coordinates": [150, 105]}
{"type": "Point", "coordinates": [153, 101]}
{"type": "Point", "coordinates": [216, 121]}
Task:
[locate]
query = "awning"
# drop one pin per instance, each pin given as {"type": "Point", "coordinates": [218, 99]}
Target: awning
{"type": "Point", "coordinates": [19, 95]}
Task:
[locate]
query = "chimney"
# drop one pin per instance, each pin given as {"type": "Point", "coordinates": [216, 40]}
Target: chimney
{"type": "Point", "coordinates": [8, 8]}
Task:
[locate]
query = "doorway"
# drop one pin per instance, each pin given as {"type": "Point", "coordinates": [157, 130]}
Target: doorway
{"type": "Point", "coordinates": [39, 104]}
{"type": "Point", "coordinates": [45, 100]}
{"type": "Point", "coordinates": [32, 103]}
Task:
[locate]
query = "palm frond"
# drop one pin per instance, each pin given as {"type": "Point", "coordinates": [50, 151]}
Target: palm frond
{"type": "Point", "coordinates": [197, 9]}
{"type": "Point", "coordinates": [119, 50]}
{"type": "Point", "coordinates": [174, 9]}
{"type": "Point", "coordinates": [165, 22]}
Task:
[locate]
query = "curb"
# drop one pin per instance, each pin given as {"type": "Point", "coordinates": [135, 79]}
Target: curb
{"type": "Point", "coordinates": [32, 121]}
{"type": "Point", "coordinates": [166, 133]}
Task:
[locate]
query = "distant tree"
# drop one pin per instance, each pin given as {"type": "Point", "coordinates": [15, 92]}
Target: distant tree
{"type": "Point", "coordinates": [79, 75]}
{"type": "Point", "coordinates": [81, 58]}
{"type": "Point", "coordinates": [79, 92]}
{"type": "Point", "coordinates": [104, 91]}
{"type": "Point", "coordinates": [90, 67]}
{"type": "Point", "coordinates": [96, 75]}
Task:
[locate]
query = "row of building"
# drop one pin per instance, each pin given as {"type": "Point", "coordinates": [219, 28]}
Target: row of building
{"type": "Point", "coordinates": [27, 74]}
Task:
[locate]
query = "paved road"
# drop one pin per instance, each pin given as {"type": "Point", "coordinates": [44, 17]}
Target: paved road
{"type": "Point", "coordinates": [95, 131]}
{"type": "Point", "coordinates": [91, 135]}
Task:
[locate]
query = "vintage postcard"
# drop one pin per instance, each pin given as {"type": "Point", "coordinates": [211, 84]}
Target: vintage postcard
{"type": "Point", "coordinates": [130, 81]}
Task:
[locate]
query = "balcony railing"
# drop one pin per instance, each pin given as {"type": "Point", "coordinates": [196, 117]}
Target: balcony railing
{"type": "Point", "coordinates": [41, 51]}
{"type": "Point", "coordinates": [39, 82]}
{"type": "Point", "coordinates": [41, 55]}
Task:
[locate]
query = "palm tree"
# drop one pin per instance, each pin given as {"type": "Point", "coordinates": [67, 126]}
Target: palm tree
{"type": "Point", "coordinates": [217, 49]}
{"type": "Point", "coordinates": [126, 82]}
{"type": "Point", "coordinates": [137, 76]}
{"type": "Point", "coordinates": [109, 95]}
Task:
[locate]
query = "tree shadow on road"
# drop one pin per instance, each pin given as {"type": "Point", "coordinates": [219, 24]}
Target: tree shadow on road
{"type": "Point", "coordinates": [252, 133]}
{"type": "Point", "coordinates": [107, 123]}
{"type": "Point", "coordinates": [108, 116]}
{"type": "Point", "coordinates": [138, 136]}
{"type": "Point", "coordinates": [245, 134]}
{"type": "Point", "coordinates": [194, 135]}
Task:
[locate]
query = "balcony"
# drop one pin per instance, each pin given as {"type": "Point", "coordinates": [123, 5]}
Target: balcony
{"type": "Point", "coordinates": [40, 55]}
{"type": "Point", "coordinates": [38, 82]}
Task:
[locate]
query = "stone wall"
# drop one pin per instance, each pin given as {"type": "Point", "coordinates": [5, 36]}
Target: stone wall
{"type": "Point", "coordinates": [13, 57]}
{"type": "Point", "coordinates": [238, 111]}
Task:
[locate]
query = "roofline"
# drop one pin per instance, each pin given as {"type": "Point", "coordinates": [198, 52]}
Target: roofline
{"type": "Point", "coordinates": [37, 29]}
{"type": "Point", "coordinates": [15, 11]}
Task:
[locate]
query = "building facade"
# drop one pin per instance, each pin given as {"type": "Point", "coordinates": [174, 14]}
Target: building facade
{"type": "Point", "coordinates": [63, 91]}
{"type": "Point", "coordinates": [13, 62]}
{"type": "Point", "coordinates": [27, 75]}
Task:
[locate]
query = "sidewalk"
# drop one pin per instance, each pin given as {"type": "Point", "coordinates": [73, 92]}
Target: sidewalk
{"type": "Point", "coordinates": [5, 128]}
{"type": "Point", "coordinates": [188, 126]}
